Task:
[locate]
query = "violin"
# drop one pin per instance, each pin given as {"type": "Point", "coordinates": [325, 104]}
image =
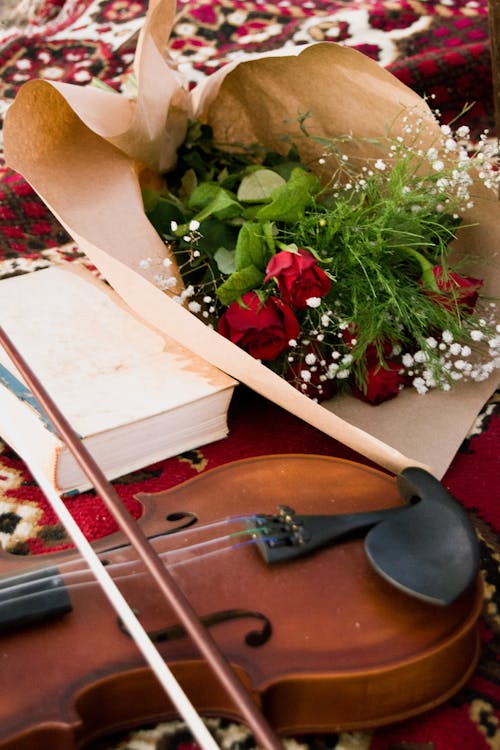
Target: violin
{"type": "Point", "coordinates": [323, 640]}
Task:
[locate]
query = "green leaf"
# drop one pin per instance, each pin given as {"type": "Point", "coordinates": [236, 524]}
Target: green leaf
{"type": "Point", "coordinates": [150, 199]}
{"type": "Point", "coordinates": [251, 247]}
{"type": "Point", "coordinates": [210, 199]}
{"type": "Point", "coordinates": [161, 212]}
{"type": "Point", "coordinates": [258, 186]}
{"type": "Point", "coordinates": [291, 199]}
{"type": "Point", "coordinates": [189, 183]}
{"type": "Point", "coordinates": [238, 283]}
{"type": "Point", "coordinates": [215, 234]}
{"type": "Point", "coordinates": [225, 260]}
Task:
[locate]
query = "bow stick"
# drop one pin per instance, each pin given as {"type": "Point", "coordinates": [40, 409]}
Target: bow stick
{"type": "Point", "coordinates": [174, 595]}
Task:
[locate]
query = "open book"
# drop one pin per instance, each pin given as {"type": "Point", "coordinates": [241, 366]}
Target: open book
{"type": "Point", "coordinates": [132, 394]}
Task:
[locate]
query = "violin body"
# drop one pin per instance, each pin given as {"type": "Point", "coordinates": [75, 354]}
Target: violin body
{"type": "Point", "coordinates": [341, 648]}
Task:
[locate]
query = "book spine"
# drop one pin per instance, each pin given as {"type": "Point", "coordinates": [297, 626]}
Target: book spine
{"type": "Point", "coordinates": [24, 394]}
{"type": "Point", "coordinates": [27, 434]}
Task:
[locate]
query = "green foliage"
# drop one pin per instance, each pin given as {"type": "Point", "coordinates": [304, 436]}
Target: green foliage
{"type": "Point", "coordinates": [236, 196]}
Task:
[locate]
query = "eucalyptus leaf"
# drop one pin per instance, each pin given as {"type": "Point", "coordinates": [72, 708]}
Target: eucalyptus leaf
{"type": "Point", "coordinates": [250, 211]}
{"type": "Point", "coordinates": [291, 199]}
{"type": "Point", "coordinates": [150, 199]}
{"type": "Point", "coordinates": [258, 186]}
{"type": "Point", "coordinates": [161, 212]}
{"type": "Point", "coordinates": [252, 247]}
{"type": "Point", "coordinates": [225, 261]}
{"type": "Point", "coordinates": [238, 283]}
{"type": "Point", "coordinates": [214, 234]}
{"type": "Point", "coordinates": [210, 199]}
{"type": "Point", "coordinates": [189, 182]}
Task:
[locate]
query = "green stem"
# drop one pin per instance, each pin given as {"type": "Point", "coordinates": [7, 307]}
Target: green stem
{"type": "Point", "coordinates": [428, 278]}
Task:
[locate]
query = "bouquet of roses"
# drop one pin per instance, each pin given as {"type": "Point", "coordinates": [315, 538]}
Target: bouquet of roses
{"type": "Point", "coordinates": [344, 284]}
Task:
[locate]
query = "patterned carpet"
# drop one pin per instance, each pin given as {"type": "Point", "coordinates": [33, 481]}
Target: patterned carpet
{"type": "Point", "coordinates": [439, 49]}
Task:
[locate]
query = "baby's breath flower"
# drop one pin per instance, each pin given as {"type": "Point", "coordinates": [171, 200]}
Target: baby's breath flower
{"type": "Point", "coordinates": [494, 343]}
{"type": "Point", "coordinates": [313, 301]}
{"type": "Point", "coordinates": [419, 385]}
{"type": "Point", "coordinates": [187, 292]}
{"type": "Point", "coordinates": [165, 282]}
{"type": "Point", "coordinates": [420, 356]}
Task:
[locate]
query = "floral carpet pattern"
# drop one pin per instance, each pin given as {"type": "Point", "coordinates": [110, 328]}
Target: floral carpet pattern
{"type": "Point", "coordinates": [440, 49]}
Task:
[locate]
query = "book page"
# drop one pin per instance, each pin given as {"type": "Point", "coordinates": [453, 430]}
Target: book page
{"type": "Point", "coordinates": [102, 366]}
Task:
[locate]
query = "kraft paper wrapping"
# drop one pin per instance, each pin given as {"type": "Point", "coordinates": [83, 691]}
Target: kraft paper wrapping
{"type": "Point", "coordinates": [83, 148]}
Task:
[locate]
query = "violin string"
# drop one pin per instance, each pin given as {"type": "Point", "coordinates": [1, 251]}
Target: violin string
{"type": "Point", "coordinates": [70, 564]}
{"type": "Point", "coordinates": [16, 589]}
{"type": "Point", "coordinates": [61, 567]}
{"type": "Point", "coordinates": [134, 573]}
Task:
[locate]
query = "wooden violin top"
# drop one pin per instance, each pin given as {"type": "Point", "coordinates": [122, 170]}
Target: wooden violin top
{"type": "Point", "coordinates": [334, 645]}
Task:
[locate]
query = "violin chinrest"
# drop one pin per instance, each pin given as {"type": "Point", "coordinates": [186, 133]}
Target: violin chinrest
{"type": "Point", "coordinates": [430, 550]}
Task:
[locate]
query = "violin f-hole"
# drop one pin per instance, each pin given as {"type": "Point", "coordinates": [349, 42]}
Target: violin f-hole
{"type": "Point", "coordinates": [254, 638]}
{"type": "Point", "coordinates": [191, 520]}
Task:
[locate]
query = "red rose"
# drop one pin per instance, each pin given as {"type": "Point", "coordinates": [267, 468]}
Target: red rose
{"type": "Point", "coordinates": [298, 277]}
{"type": "Point", "coordinates": [263, 329]}
{"type": "Point", "coordinates": [374, 353]}
{"type": "Point", "coordinates": [457, 290]}
{"type": "Point", "coordinates": [382, 383]}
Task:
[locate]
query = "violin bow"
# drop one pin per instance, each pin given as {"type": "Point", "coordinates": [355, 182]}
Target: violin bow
{"type": "Point", "coordinates": [158, 571]}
